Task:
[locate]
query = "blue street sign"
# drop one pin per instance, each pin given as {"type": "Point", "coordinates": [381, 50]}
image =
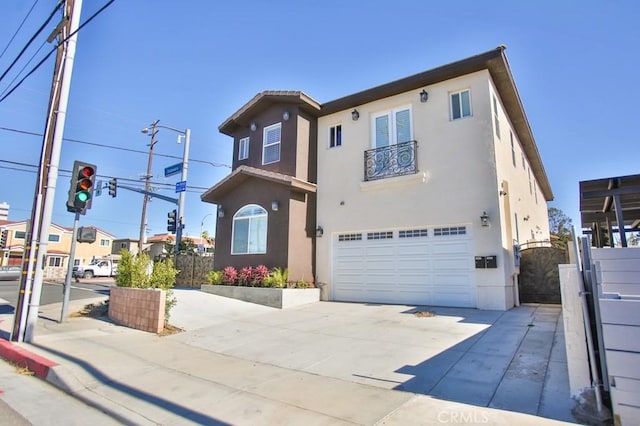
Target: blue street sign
{"type": "Point", "coordinates": [173, 170]}
{"type": "Point", "coordinates": [98, 189]}
{"type": "Point", "coordinates": [181, 186]}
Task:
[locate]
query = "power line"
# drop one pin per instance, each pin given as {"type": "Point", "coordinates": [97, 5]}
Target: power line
{"type": "Point", "coordinates": [33, 37]}
{"type": "Point", "coordinates": [19, 27]}
{"type": "Point", "coordinates": [159, 184]}
{"type": "Point", "coordinates": [39, 64]}
{"type": "Point", "coordinates": [26, 132]}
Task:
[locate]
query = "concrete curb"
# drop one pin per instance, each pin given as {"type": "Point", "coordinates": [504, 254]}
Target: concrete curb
{"type": "Point", "coordinates": [22, 357]}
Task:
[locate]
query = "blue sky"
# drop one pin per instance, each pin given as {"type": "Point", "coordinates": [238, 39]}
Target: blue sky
{"type": "Point", "coordinates": [191, 64]}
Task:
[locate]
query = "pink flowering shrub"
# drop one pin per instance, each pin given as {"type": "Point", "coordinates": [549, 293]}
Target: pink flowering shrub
{"type": "Point", "coordinates": [229, 275]}
{"type": "Point", "coordinates": [260, 272]}
{"type": "Point", "coordinates": [246, 275]}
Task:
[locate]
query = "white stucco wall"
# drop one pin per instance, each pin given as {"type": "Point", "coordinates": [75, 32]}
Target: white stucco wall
{"type": "Point", "coordinates": [459, 177]}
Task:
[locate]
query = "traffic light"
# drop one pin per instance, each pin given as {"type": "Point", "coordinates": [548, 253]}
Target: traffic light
{"type": "Point", "coordinates": [3, 238]}
{"type": "Point", "coordinates": [113, 187]}
{"type": "Point", "coordinates": [171, 221]}
{"type": "Point", "coordinates": [83, 176]}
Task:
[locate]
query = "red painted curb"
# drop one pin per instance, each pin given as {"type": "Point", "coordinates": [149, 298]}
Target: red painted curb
{"type": "Point", "coordinates": [22, 357]}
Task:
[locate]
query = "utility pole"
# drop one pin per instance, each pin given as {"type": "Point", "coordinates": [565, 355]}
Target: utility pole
{"type": "Point", "coordinates": [147, 178]}
{"type": "Point", "coordinates": [38, 234]}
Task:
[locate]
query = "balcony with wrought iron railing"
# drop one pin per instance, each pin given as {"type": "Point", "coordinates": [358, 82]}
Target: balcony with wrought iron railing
{"type": "Point", "coordinates": [390, 161]}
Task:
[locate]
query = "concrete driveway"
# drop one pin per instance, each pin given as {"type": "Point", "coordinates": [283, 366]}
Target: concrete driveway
{"type": "Point", "coordinates": [512, 360]}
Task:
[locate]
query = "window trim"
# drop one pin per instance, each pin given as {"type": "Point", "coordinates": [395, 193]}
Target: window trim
{"type": "Point", "coordinates": [460, 104]}
{"type": "Point", "coordinates": [54, 238]}
{"type": "Point", "coordinates": [243, 148]}
{"type": "Point", "coordinates": [333, 141]}
{"type": "Point", "coordinates": [393, 127]}
{"type": "Point", "coordinates": [235, 218]}
{"type": "Point", "coordinates": [265, 145]}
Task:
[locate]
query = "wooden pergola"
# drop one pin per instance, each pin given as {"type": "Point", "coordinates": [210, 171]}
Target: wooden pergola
{"type": "Point", "coordinates": [612, 204]}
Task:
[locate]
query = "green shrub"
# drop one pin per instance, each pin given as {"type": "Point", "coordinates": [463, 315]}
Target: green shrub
{"type": "Point", "coordinates": [133, 271]}
{"type": "Point", "coordinates": [215, 277]}
{"type": "Point", "coordinates": [137, 272]}
{"type": "Point", "coordinates": [277, 278]}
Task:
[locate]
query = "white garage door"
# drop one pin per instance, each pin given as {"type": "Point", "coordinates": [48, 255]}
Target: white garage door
{"type": "Point", "coordinates": [427, 266]}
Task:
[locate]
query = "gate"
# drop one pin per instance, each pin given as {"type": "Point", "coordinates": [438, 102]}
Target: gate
{"type": "Point", "coordinates": [539, 281]}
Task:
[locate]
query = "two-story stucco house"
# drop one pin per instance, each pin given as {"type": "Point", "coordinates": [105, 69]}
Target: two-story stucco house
{"type": "Point", "coordinates": [423, 187]}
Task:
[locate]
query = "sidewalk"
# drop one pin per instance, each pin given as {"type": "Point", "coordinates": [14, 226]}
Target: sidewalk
{"type": "Point", "coordinates": [240, 363]}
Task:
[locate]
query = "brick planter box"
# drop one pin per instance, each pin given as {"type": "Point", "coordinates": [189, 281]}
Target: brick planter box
{"type": "Point", "coordinates": [281, 298]}
{"type": "Point", "coordinates": [138, 308]}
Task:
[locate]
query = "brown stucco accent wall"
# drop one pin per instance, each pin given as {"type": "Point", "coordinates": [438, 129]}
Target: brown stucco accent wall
{"type": "Point", "coordinates": [262, 193]}
{"type": "Point", "coordinates": [302, 225]}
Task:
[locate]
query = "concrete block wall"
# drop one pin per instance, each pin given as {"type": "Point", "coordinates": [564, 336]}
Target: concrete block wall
{"type": "Point", "coordinates": [138, 308]}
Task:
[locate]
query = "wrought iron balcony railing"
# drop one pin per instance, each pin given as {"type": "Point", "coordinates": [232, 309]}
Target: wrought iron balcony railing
{"type": "Point", "coordinates": [390, 161]}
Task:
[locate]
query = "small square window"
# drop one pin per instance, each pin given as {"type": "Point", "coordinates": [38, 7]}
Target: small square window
{"type": "Point", "coordinates": [461, 104]}
{"type": "Point", "coordinates": [335, 136]}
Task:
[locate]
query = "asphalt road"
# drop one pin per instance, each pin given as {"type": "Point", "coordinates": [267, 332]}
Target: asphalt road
{"type": "Point", "coordinates": [52, 292]}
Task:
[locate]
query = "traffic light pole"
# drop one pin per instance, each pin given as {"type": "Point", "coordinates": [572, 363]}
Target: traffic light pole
{"type": "Point", "coordinates": [36, 247]}
{"type": "Point", "coordinates": [66, 291]}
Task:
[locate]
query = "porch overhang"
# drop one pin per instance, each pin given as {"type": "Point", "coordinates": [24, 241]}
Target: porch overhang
{"type": "Point", "coordinates": [244, 173]}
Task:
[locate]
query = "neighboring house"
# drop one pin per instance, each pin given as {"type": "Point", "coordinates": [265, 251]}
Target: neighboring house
{"type": "Point", "coordinates": [426, 186]}
{"type": "Point", "coordinates": [125, 244]}
{"type": "Point", "coordinates": [157, 244]}
{"type": "Point", "coordinates": [58, 248]}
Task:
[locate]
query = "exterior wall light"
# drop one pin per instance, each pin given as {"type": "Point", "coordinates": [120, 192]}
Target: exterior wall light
{"type": "Point", "coordinates": [484, 219]}
{"type": "Point", "coordinates": [285, 115]}
{"type": "Point", "coordinates": [253, 126]}
{"type": "Point", "coordinates": [275, 205]}
{"type": "Point", "coordinates": [355, 115]}
{"type": "Point", "coordinates": [319, 231]}
{"type": "Point", "coordinates": [220, 211]}
{"type": "Point", "coordinates": [424, 96]}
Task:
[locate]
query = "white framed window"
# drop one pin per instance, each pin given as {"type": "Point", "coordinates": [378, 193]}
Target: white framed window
{"type": "Point", "coordinates": [513, 149]}
{"type": "Point", "coordinates": [391, 127]}
{"type": "Point", "coordinates": [55, 261]}
{"type": "Point", "coordinates": [243, 149]}
{"type": "Point", "coordinates": [460, 104]}
{"type": "Point", "coordinates": [104, 243]}
{"type": "Point", "coordinates": [271, 143]}
{"type": "Point", "coordinates": [54, 238]}
{"type": "Point", "coordinates": [495, 116]}
{"type": "Point", "coordinates": [249, 234]}
{"type": "Point", "coordinates": [19, 235]}
{"type": "Point", "coordinates": [335, 136]}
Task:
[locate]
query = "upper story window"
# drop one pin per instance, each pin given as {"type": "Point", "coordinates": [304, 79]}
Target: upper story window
{"type": "Point", "coordinates": [19, 235]}
{"type": "Point", "coordinates": [335, 136]}
{"type": "Point", "coordinates": [461, 104]}
{"type": "Point", "coordinates": [243, 149]}
{"type": "Point", "coordinates": [104, 243]}
{"type": "Point", "coordinates": [249, 234]}
{"type": "Point", "coordinates": [495, 116]}
{"type": "Point", "coordinates": [513, 149]}
{"type": "Point", "coordinates": [271, 144]}
{"type": "Point", "coordinates": [54, 238]}
{"type": "Point", "coordinates": [392, 127]}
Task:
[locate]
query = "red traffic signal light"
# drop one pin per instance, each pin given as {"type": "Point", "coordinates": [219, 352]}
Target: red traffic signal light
{"type": "Point", "coordinates": [83, 176]}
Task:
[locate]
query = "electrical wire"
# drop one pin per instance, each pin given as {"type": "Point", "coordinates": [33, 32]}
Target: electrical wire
{"type": "Point", "coordinates": [19, 28]}
{"type": "Point", "coordinates": [26, 132]}
{"type": "Point", "coordinates": [68, 172]}
{"type": "Point", "coordinates": [39, 64]}
{"type": "Point", "coordinates": [23, 68]}
{"type": "Point", "coordinates": [33, 37]}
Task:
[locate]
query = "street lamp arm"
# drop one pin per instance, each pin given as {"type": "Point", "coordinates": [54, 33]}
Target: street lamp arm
{"type": "Point", "coordinates": [171, 128]}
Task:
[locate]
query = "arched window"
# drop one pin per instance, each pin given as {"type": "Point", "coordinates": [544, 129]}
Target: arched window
{"type": "Point", "coordinates": [249, 234]}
